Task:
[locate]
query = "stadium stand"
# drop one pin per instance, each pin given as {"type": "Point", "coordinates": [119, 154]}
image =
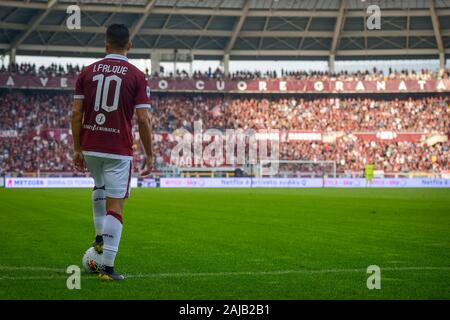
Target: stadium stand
{"type": "Point", "coordinates": [35, 124]}
{"type": "Point", "coordinates": [400, 132]}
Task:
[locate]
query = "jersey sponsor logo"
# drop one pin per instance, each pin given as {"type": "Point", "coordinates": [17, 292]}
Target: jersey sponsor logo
{"type": "Point", "coordinates": [98, 128]}
{"type": "Point", "coordinates": [100, 119]}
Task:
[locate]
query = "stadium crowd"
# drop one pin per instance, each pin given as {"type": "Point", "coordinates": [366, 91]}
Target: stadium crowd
{"type": "Point", "coordinates": [374, 74]}
{"type": "Point", "coordinates": [368, 75]}
{"type": "Point", "coordinates": [428, 114]}
{"type": "Point", "coordinates": [31, 69]}
{"type": "Point", "coordinates": [27, 114]}
{"type": "Point", "coordinates": [352, 156]}
{"type": "Point", "coordinates": [21, 112]}
{"type": "Point", "coordinates": [32, 154]}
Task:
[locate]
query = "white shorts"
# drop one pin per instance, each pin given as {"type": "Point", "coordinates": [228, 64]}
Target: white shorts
{"type": "Point", "coordinates": [113, 174]}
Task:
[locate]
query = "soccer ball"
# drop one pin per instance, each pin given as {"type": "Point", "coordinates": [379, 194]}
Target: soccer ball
{"type": "Point", "coordinates": [92, 261]}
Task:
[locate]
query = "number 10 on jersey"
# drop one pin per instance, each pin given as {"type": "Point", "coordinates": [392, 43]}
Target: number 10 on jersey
{"type": "Point", "coordinates": [101, 95]}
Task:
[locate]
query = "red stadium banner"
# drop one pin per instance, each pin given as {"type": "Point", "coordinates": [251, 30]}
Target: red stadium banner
{"type": "Point", "coordinates": [17, 81]}
{"type": "Point", "coordinates": [302, 86]}
{"type": "Point", "coordinates": [250, 86]}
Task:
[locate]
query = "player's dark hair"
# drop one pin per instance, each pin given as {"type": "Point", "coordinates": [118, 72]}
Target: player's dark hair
{"type": "Point", "coordinates": [117, 36]}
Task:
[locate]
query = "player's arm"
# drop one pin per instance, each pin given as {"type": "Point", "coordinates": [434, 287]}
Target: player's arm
{"type": "Point", "coordinates": [76, 122]}
{"type": "Point", "coordinates": [142, 107]}
{"type": "Point", "coordinates": [145, 134]}
{"type": "Point", "coordinates": [76, 119]}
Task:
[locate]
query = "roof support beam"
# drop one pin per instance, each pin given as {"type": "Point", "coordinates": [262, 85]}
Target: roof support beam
{"type": "Point", "coordinates": [111, 16]}
{"type": "Point", "coordinates": [308, 25]}
{"type": "Point", "coordinates": [220, 11]}
{"type": "Point", "coordinates": [155, 44]}
{"type": "Point", "coordinates": [261, 40]}
{"type": "Point", "coordinates": [437, 33]}
{"type": "Point", "coordinates": [32, 26]}
{"type": "Point", "coordinates": [226, 33]}
{"type": "Point", "coordinates": [205, 28]}
{"type": "Point", "coordinates": [337, 34]}
{"type": "Point", "coordinates": [138, 25]}
{"type": "Point", "coordinates": [237, 27]}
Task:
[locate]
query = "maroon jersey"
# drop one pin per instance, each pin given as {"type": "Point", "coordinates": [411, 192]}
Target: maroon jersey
{"type": "Point", "coordinates": [111, 89]}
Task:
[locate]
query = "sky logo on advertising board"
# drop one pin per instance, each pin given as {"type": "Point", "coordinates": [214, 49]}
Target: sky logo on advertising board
{"type": "Point", "coordinates": [397, 183]}
{"type": "Point", "coordinates": [191, 182]}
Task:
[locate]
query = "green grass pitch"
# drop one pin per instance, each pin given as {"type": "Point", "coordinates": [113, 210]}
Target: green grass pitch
{"type": "Point", "coordinates": [233, 244]}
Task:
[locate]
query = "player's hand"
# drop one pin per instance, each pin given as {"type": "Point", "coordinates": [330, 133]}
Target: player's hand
{"type": "Point", "coordinates": [78, 161]}
{"type": "Point", "coordinates": [147, 167]}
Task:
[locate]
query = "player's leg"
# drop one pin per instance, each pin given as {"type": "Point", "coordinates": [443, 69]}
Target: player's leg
{"type": "Point", "coordinates": [99, 211]}
{"type": "Point", "coordinates": [112, 234]}
{"type": "Point", "coordinates": [95, 167]}
{"type": "Point", "coordinates": [117, 175]}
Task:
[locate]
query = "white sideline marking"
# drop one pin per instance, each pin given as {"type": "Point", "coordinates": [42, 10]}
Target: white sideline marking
{"type": "Point", "coordinates": [209, 274]}
{"type": "Point", "coordinates": [277, 272]}
{"type": "Point", "coordinates": [31, 269]}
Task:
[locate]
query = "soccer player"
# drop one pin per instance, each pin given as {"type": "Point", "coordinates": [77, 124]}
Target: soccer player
{"type": "Point", "coordinates": [107, 94]}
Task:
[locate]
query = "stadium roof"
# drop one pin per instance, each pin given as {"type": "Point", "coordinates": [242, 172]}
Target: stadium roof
{"type": "Point", "coordinates": [243, 29]}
